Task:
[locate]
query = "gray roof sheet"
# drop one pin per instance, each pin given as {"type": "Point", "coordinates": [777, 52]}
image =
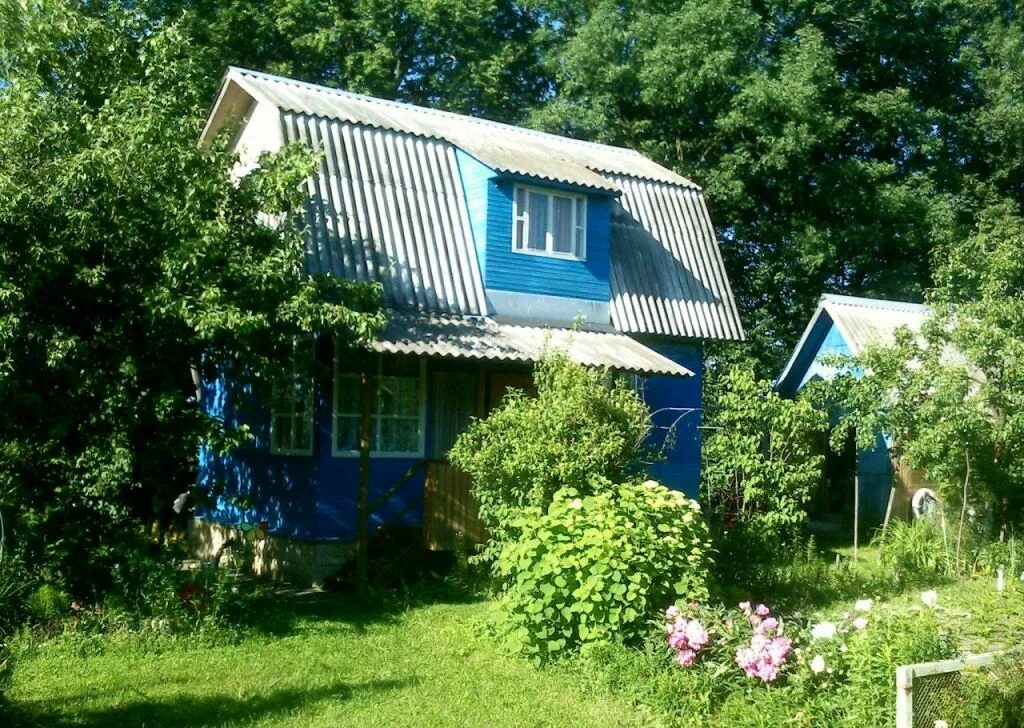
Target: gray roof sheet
{"type": "Point", "coordinates": [862, 322]}
{"type": "Point", "coordinates": [487, 340]}
{"type": "Point", "coordinates": [388, 205]}
{"type": "Point", "coordinates": [867, 321]}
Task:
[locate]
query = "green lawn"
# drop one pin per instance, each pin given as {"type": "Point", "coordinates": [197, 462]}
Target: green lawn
{"type": "Point", "coordinates": [316, 662]}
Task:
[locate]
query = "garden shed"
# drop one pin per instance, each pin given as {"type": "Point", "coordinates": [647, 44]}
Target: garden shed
{"type": "Point", "coordinates": [846, 326]}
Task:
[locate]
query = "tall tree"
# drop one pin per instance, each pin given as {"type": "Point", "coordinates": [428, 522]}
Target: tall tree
{"type": "Point", "coordinates": [839, 142]}
{"type": "Point", "coordinates": [129, 257]}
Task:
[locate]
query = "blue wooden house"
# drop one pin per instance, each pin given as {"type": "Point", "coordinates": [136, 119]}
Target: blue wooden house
{"type": "Point", "coordinates": [846, 326]}
{"type": "Point", "coordinates": [492, 244]}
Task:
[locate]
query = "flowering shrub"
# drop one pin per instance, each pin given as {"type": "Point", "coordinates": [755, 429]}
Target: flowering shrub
{"type": "Point", "coordinates": [768, 649]}
{"type": "Point", "coordinates": [595, 568]}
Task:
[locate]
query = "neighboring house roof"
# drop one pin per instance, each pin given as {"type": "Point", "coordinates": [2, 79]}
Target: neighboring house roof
{"type": "Point", "coordinates": [388, 205]}
{"type": "Point", "coordinates": [860, 321]}
{"type": "Point", "coordinates": [488, 340]}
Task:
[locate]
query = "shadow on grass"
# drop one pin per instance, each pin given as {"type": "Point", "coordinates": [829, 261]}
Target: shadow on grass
{"type": "Point", "coordinates": [184, 711]}
{"type": "Point", "coordinates": [282, 612]}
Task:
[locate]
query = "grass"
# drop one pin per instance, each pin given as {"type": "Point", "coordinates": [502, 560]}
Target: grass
{"type": "Point", "coordinates": [311, 662]}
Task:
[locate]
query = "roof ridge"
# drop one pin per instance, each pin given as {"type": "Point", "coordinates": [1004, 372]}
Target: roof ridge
{"type": "Point", "coordinates": [865, 302]}
{"type": "Point", "coordinates": [430, 110]}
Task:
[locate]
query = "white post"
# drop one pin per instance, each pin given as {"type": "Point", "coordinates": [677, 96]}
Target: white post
{"type": "Point", "coordinates": [856, 515]}
{"type": "Point", "coordinates": [905, 696]}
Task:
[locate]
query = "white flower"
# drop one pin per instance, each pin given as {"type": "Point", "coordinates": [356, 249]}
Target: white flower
{"type": "Point", "coordinates": [941, 724]}
{"type": "Point", "coordinates": [818, 664]}
{"type": "Point", "coordinates": [930, 598]}
{"type": "Point", "coordinates": [860, 623]}
{"type": "Point", "coordinates": [823, 631]}
{"type": "Point", "coordinates": [652, 484]}
{"type": "Point", "coordinates": [576, 504]}
{"type": "Point", "coordinates": [863, 605]}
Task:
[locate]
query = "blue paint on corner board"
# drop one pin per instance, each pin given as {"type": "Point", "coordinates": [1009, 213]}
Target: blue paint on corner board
{"type": "Point", "coordinates": [476, 177]}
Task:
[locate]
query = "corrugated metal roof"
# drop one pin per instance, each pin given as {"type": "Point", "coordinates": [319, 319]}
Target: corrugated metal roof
{"type": "Point", "coordinates": [388, 205]}
{"type": "Point", "coordinates": [390, 208]}
{"type": "Point", "coordinates": [667, 274]}
{"type": "Point", "coordinates": [505, 148]}
{"type": "Point", "coordinates": [861, 321]}
{"type": "Point", "coordinates": [487, 340]}
{"type": "Point", "coordinates": [866, 321]}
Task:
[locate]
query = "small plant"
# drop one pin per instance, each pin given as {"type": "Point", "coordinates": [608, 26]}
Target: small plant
{"type": "Point", "coordinates": [48, 603]}
{"type": "Point", "coordinates": [596, 568]}
{"type": "Point", "coordinates": [912, 551]}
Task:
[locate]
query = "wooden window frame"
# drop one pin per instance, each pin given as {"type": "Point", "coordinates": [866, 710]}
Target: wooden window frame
{"type": "Point", "coordinates": [579, 223]}
{"type": "Point", "coordinates": [295, 411]}
{"type": "Point", "coordinates": [376, 417]}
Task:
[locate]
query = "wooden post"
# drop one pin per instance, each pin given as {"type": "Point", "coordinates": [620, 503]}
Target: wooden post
{"type": "Point", "coordinates": [362, 527]}
{"type": "Point", "coordinates": [856, 515]}
{"type": "Point", "coordinates": [888, 510]}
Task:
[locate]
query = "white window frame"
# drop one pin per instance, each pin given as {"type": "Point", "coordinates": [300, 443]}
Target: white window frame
{"type": "Point", "coordinates": [376, 417]}
{"type": "Point", "coordinates": [295, 411]}
{"type": "Point", "coordinates": [579, 210]}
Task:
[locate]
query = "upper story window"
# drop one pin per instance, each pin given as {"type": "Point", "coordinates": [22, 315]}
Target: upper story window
{"type": "Point", "coordinates": [396, 418]}
{"type": "Point", "coordinates": [549, 223]}
{"type": "Point", "coordinates": [291, 405]}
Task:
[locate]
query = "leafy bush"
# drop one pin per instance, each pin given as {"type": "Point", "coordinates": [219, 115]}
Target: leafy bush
{"type": "Point", "coordinates": [911, 551]}
{"type": "Point", "coordinates": [596, 568]}
{"type": "Point", "coordinates": [48, 603]}
{"type": "Point", "coordinates": [583, 425]}
{"type": "Point", "coordinates": [759, 460]}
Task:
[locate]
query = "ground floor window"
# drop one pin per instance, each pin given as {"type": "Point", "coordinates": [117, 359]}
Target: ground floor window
{"type": "Point", "coordinates": [396, 420]}
{"type": "Point", "coordinates": [291, 405]}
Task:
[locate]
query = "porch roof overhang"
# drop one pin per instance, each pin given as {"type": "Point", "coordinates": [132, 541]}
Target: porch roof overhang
{"type": "Point", "coordinates": [484, 339]}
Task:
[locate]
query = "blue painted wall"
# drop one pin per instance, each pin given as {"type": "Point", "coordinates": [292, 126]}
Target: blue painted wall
{"type": "Point", "coordinates": [523, 273]}
{"type": "Point", "coordinates": [476, 180]}
{"type": "Point", "coordinates": [307, 497]}
{"type": "Point", "coordinates": [874, 467]}
{"type": "Point", "coordinates": [681, 467]}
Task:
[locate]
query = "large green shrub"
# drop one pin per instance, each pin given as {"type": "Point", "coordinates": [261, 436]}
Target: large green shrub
{"type": "Point", "coordinates": [596, 568]}
{"type": "Point", "coordinates": [759, 460]}
{"type": "Point", "coordinates": [583, 425]}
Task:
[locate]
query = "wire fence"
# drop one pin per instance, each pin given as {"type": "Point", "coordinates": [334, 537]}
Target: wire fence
{"type": "Point", "coordinates": [929, 692]}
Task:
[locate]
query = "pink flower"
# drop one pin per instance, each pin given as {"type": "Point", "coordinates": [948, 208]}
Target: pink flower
{"type": "Point", "coordinates": [745, 607]}
{"type": "Point", "coordinates": [686, 658]}
{"type": "Point", "coordinates": [677, 641]}
{"type": "Point", "coordinates": [672, 613]}
{"type": "Point", "coordinates": [769, 625]}
{"type": "Point", "coordinates": [860, 623]}
{"type": "Point", "coordinates": [696, 635]}
{"type": "Point", "coordinates": [762, 610]}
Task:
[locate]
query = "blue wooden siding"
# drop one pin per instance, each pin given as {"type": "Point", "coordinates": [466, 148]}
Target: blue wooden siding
{"type": "Point", "coordinates": [307, 497]}
{"type": "Point", "coordinates": [476, 179]}
{"type": "Point", "coordinates": [680, 398]}
{"type": "Point", "coordinates": [510, 271]}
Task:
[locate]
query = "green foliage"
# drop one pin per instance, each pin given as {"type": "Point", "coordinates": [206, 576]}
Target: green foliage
{"type": "Point", "coordinates": [873, 656]}
{"type": "Point", "coordinates": [991, 696]}
{"type": "Point", "coordinates": [951, 396]}
{"type": "Point", "coordinates": [596, 568]}
{"type": "Point", "coordinates": [583, 425]}
{"type": "Point", "coordinates": [130, 258]}
{"type": "Point", "coordinates": [48, 603]}
{"type": "Point", "coordinates": [838, 143]}
{"type": "Point", "coordinates": [759, 461]}
{"type": "Point", "coordinates": [912, 551]}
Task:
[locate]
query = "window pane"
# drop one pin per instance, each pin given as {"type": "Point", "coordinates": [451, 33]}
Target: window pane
{"type": "Point", "coordinates": [563, 228]}
{"type": "Point", "coordinates": [399, 435]}
{"type": "Point", "coordinates": [280, 432]}
{"type": "Point", "coordinates": [538, 209]}
{"type": "Point", "coordinates": [346, 433]}
{"type": "Point", "coordinates": [348, 394]}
